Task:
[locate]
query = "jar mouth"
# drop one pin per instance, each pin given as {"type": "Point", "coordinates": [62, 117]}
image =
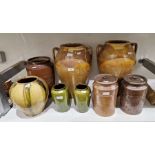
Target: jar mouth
{"type": "Point", "coordinates": [27, 80]}
{"type": "Point", "coordinates": [59, 86]}
{"type": "Point", "coordinates": [117, 41]}
{"type": "Point", "coordinates": [81, 86]}
{"type": "Point", "coordinates": [106, 79]}
{"type": "Point", "coordinates": [74, 45]}
{"type": "Point", "coordinates": [39, 60]}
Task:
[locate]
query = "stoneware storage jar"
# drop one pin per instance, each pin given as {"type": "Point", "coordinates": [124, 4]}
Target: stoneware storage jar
{"type": "Point", "coordinates": [60, 97]}
{"type": "Point", "coordinates": [29, 95]}
{"type": "Point", "coordinates": [116, 57]}
{"type": "Point", "coordinates": [133, 94]}
{"type": "Point", "coordinates": [42, 67]}
{"type": "Point", "coordinates": [105, 90]}
{"type": "Point", "coordinates": [82, 94]}
{"type": "Point", "coordinates": [73, 64]}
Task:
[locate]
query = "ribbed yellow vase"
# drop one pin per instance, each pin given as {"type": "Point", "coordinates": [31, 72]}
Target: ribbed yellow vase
{"type": "Point", "coordinates": [30, 95]}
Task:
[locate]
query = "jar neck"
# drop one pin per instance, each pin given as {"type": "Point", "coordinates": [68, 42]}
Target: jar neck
{"type": "Point", "coordinates": [72, 47]}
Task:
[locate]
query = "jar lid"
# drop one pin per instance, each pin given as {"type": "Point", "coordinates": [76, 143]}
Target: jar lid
{"type": "Point", "coordinates": [106, 79]}
{"type": "Point", "coordinates": [39, 60]}
{"type": "Point", "coordinates": [135, 79]}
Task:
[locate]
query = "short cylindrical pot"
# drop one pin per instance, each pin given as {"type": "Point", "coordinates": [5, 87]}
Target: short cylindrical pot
{"type": "Point", "coordinates": [133, 94]}
{"type": "Point", "coordinates": [82, 94]}
{"type": "Point", "coordinates": [105, 90]}
{"type": "Point", "coordinates": [30, 95]}
{"type": "Point", "coordinates": [60, 97]}
{"type": "Point", "coordinates": [43, 68]}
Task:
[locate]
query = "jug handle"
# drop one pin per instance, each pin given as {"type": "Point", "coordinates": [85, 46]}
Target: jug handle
{"type": "Point", "coordinates": [98, 48]}
{"type": "Point", "coordinates": [55, 49]}
{"type": "Point", "coordinates": [135, 46]}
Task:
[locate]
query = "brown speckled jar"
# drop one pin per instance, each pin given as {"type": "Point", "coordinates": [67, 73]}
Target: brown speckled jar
{"type": "Point", "coordinates": [42, 67]}
{"type": "Point", "coordinates": [105, 90]}
{"type": "Point", "coordinates": [133, 94]}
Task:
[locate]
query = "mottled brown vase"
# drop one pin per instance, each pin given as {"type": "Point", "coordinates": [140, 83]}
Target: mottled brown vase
{"type": "Point", "coordinates": [43, 68]}
{"type": "Point", "coordinates": [73, 64]}
{"type": "Point", "coordinates": [116, 57]}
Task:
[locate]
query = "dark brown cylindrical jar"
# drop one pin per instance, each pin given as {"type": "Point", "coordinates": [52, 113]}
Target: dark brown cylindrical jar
{"type": "Point", "coordinates": [43, 68]}
{"type": "Point", "coordinates": [133, 94]}
{"type": "Point", "coordinates": [105, 90]}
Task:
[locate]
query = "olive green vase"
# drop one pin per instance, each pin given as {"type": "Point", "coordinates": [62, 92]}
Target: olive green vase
{"type": "Point", "coordinates": [82, 94]}
{"type": "Point", "coordinates": [60, 96]}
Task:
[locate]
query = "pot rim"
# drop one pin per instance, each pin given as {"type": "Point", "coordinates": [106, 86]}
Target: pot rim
{"type": "Point", "coordinates": [35, 60]}
{"type": "Point", "coordinates": [63, 86]}
{"type": "Point", "coordinates": [117, 42]}
{"type": "Point", "coordinates": [83, 85]}
{"type": "Point", "coordinates": [33, 78]}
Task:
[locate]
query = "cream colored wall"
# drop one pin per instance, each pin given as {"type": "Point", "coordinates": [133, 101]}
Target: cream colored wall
{"type": "Point", "coordinates": [24, 46]}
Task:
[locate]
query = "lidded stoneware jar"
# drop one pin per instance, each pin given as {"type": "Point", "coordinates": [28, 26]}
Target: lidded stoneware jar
{"type": "Point", "coordinates": [133, 94]}
{"type": "Point", "coordinates": [105, 89]}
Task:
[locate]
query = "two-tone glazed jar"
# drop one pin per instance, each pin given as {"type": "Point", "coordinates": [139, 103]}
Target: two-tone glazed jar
{"type": "Point", "coordinates": [105, 90]}
{"type": "Point", "coordinates": [133, 94]}
{"type": "Point", "coordinates": [73, 64]}
{"type": "Point", "coordinates": [82, 95]}
{"type": "Point", "coordinates": [116, 57]}
{"type": "Point", "coordinates": [60, 96]}
{"type": "Point", "coordinates": [29, 94]}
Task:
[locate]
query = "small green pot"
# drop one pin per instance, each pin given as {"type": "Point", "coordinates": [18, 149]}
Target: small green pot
{"type": "Point", "coordinates": [60, 97]}
{"type": "Point", "coordinates": [82, 94]}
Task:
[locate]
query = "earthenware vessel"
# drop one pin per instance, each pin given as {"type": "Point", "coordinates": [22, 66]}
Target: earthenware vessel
{"type": "Point", "coordinates": [133, 94]}
{"type": "Point", "coordinates": [82, 94]}
{"type": "Point", "coordinates": [60, 96]}
{"type": "Point", "coordinates": [73, 64]}
{"type": "Point", "coordinates": [116, 57]}
{"type": "Point", "coordinates": [29, 94]}
{"type": "Point", "coordinates": [42, 67]}
{"type": "Point", "coordinates": [105, 89]}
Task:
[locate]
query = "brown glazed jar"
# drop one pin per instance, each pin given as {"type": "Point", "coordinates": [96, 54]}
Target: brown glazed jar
{"type": "Point", "coordinates": [133, 94]}
{"type": "Point", "coordinates": [42, 67]}
{"type": "Point", "coordinates": [105, 90]}
{"type": "Point", "coordinates": [73, 64]}
{"type": "Point", "coordinates": [116, 57]}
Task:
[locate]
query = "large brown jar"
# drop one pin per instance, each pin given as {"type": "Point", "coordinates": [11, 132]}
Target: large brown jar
{"type": "Point", "coordinates": [73, 64]}
{"type": "Point", "coordinates": [43, 68]}
{"type": "Point", "coordinates": [105, 90]}
{"type": "Point", "coordinates": [133, 94]}
{"type": "Point", "coordinates": [116, 57]}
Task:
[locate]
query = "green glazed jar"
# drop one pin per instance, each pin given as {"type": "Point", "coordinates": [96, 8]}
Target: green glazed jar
{"type": "Point", "coordinates": [82, 94]}
{"type": "Point", "coordinates": [60, 97]}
